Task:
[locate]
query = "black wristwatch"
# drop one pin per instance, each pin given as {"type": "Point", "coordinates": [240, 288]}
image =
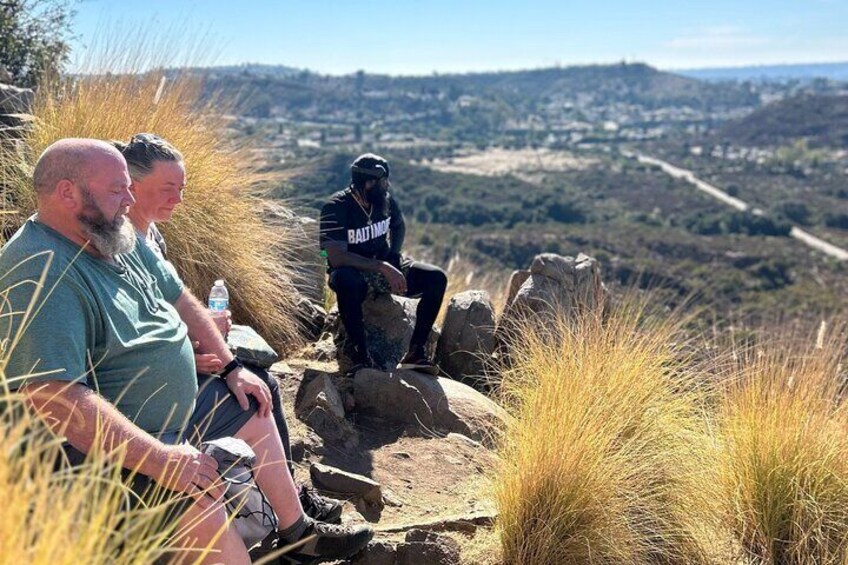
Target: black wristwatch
{"type": "Point", "coordinates": [230, 367]}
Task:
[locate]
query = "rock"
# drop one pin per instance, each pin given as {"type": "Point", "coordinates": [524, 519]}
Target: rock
{"type": "Point", "coordinates": [461, 439]}
{"type": "Point", "coordinates": [468, 334]}
{"type": "Point", "coordinates": [422, 547]}
{"type": "Point", "coordinates": [428, 403]}
{"type": "Point", "coordinates": [311, 443]}
{"type": "Point", "coordinates": [14, 100]}
{"type": "Point", "coordinates": [325, 348]}
{"type": "Point", "coordinates": [377, 553]}
{"type": "Point", "coordinates": [556, 283]}
{"type": "Point", "coordinates": [341, 482]}
{"type": "Point", "coordinates": [282, 369]}
{"type": "Point", "coordinates": [516, 279]}
{"type": "Point", "coordinates": [311, 317]}
{"type": "Point", "coordinates": [466, 524]}
{"type": "Point", "coordinates": [320, 406]}
{"type": "Point", "coordinates": [298, 449]}
{"type": "Point", "coordinates": [389, 321]}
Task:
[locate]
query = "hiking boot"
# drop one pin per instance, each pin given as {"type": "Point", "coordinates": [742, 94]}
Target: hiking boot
{"type": "Point", "coordinates": [417, 360]}
{"type": "Point", "coordinates": [319, 508]}
{"type": "Point", "coordinates": [327, 542]}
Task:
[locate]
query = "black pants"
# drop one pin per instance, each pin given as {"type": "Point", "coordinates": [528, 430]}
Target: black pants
{"type": "Point", "coordinates": [422, 280]}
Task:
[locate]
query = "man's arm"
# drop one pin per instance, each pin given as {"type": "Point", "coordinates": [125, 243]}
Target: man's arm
{"type": "Point", "coordinates": [202, 329]}
{"type": "Point", "coordinates": [88, 420]}
{"type": "Point", "coordinates": [397, 227]}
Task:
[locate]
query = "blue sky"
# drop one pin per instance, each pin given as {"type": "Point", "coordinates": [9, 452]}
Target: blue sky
{"type": "Point", "coordinates": [420, 37]}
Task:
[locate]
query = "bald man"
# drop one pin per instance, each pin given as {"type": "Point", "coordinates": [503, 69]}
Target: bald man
{"type": "Point", "coordinates": [105, 356]}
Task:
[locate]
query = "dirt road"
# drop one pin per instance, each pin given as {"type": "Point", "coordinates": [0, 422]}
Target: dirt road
{"type": "Point", "coordinates": [805, 237]}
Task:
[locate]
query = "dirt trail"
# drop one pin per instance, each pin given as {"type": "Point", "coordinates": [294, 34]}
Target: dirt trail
{"type": "Point", "coordinates": [679, 173]}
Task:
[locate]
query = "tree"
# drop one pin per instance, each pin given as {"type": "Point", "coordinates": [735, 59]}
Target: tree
{"type": "Point", "coordinates": [34, 36]}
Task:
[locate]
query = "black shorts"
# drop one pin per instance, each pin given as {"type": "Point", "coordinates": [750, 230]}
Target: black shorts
{"type": "Point", "coordinates": [217, 413]}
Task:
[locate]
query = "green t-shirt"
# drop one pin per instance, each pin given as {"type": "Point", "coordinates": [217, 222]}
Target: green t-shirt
{"type": "Point", "coordinates": [110, 326]}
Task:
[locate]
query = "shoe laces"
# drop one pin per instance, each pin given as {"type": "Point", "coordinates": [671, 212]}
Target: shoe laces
{"type": "Point", "coordinates": [333, 530]}
{"type": "Point", "coordinates": [310, 497]}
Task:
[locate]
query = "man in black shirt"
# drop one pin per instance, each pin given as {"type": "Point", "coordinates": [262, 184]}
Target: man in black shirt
{"type": "Point", "coordinates": [362, 231]}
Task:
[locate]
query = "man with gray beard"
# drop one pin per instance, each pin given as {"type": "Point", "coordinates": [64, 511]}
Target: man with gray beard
{"type": "Point", "coordinates": [98, 341]}
{"type": "Point", "coordinates": [110, 237]}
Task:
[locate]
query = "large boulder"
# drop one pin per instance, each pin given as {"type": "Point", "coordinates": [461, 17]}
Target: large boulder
{"type": "Point", "coordinates": [556, 283]}
{"type": "Point", "coordinates": [427, 404]}
{"type": "Point", "coordinates": [389, 321]}
{"type": "Point", "coordinates": [468, 334]}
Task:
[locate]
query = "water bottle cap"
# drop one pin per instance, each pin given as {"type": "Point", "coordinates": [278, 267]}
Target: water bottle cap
{"type": "Point", "coordinates": [219, 282]}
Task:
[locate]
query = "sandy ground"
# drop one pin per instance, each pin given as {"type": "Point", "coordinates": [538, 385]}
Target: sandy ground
{"type": "Point", "coordinates": [499, 161]}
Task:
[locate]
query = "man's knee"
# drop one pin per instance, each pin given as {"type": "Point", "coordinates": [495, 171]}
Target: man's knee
{"type": "Point", "coordinates": [440, 280]}
{"type": "Point", "coordinates": [435, 280]}
{"type": "Point", "coordinates": [204, 523]}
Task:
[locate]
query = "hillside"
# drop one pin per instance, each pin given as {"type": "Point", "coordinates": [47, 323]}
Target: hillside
{"type": "Point", "coordinates": [506, 94]}
{"type": "Point", "coordinates": [820, 119]}
{"type": "Point", "coordinates": [646, 229]}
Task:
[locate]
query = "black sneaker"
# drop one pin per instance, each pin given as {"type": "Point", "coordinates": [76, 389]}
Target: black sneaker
{"type": "Point", "coordinates": [327, 542]}
{"type": "Point", "coordinates": [417, 360]}
{"type": "Point", "coordinates": [319, 508]}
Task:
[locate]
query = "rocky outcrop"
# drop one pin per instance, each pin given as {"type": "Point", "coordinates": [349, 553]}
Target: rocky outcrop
{"type": "Point", "coordinates": [468, 335]}
{"type": "Point", "coordinates": [556, 283]}
{"type": "Point", "coordinates": [428, 404]}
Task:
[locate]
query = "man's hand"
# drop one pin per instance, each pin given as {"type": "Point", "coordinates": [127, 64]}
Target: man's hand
{"type": "Point", "coordinates": [397, 282]}
{"type": "Point", "coordinates": [242, 382]}
{"type": "Point", "coordinates": [223, 321]}
{"type": "Point", "coordinates": [185, 469]}
{"type": "Point", "coordinates": [206, 363]}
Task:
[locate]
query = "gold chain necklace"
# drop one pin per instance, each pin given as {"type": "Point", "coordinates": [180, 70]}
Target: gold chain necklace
{"type": "Point", "coordinates": [361, 207]}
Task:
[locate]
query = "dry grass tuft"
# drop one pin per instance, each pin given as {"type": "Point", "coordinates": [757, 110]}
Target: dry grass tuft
{"type": "Point", "coordinates": [218, 232]}
{"type": "Point", "coordinates": [605, 459]}
{"type": "Point", "coordinates": [64, 518]}
{"type": "Point", "coordinates": [784, 462]}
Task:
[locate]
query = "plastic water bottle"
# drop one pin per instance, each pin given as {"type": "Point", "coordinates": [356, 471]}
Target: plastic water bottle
{"type": "Point", "coordinates": [219, 297]}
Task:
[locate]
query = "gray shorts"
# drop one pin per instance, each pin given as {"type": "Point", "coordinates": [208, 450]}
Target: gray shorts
{"type": "Point", "coordinates": [217, 413]}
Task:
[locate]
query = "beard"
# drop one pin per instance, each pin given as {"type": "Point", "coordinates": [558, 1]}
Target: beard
{"type": "Point", "coordinates": [109, 237]}
{"type": "Point", "coordinates": [377, 196]}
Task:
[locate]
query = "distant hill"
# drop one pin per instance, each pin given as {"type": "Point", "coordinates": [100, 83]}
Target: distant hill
{"type": "Point", "coordinates": [770, 73]}
{"type": "Point", "coordinates": [820, 119]}
{"type": "Point", "coordinates": [498, 95]}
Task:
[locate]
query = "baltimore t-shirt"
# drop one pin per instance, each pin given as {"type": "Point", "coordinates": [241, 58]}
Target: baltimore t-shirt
{"type": "Point", "coordinates": [344, 220]}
